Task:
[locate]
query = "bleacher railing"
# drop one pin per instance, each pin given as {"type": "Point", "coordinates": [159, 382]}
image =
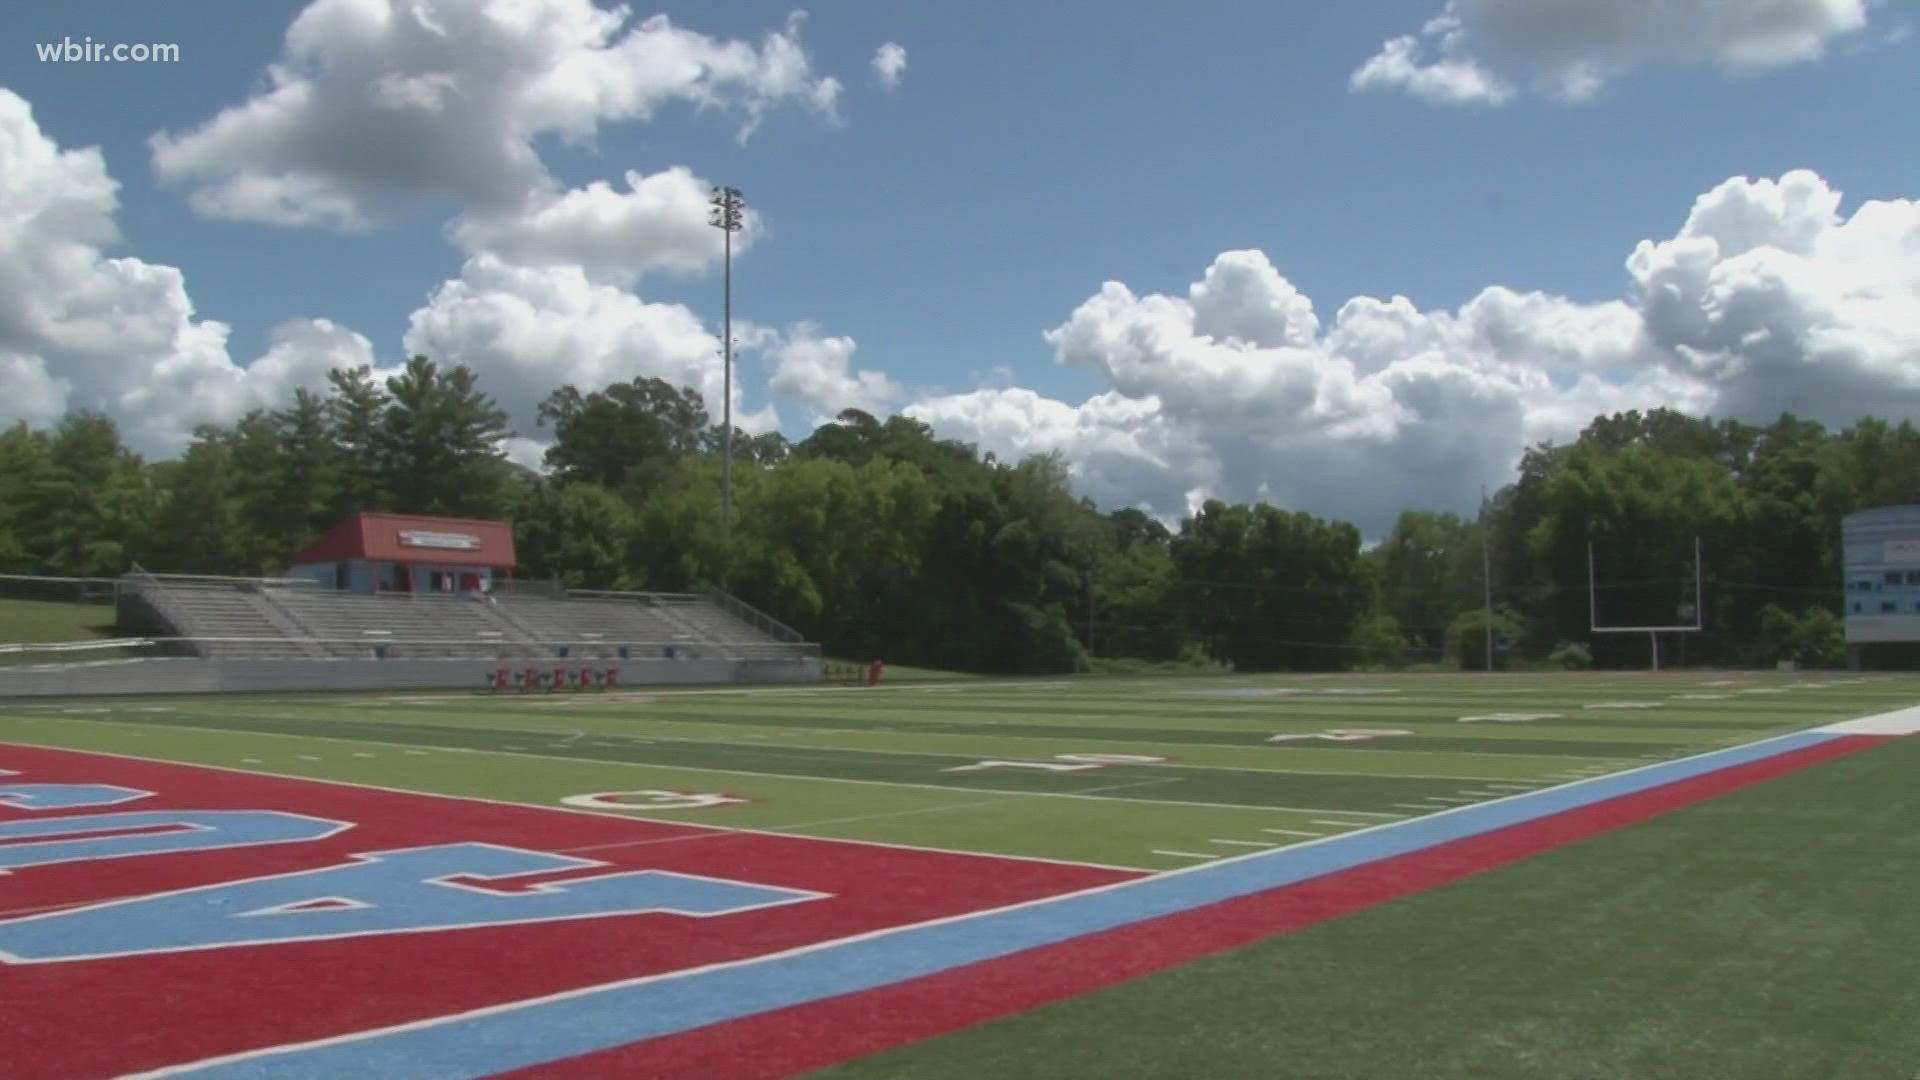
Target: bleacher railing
{"type": "Point", "coordinates": [755, 618]}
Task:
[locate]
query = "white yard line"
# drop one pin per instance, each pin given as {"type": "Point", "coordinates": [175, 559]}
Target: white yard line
{"type": "Point", "coordinates": [1344, 824]}
{"type": "Point", "coordinates": [1245, 843]}
{"type": "Point", "coordinates": [1292, 832]}
{"type": "Point", "coordinates": [1186, 854]}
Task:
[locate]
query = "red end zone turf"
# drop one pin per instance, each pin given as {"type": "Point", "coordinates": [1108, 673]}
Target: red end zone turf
{"type": "Point", "coordinates": [106, 1017]}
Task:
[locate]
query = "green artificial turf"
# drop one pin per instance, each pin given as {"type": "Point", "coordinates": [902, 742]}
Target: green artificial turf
{"type": "Point", "coordinates": [1766, 935]}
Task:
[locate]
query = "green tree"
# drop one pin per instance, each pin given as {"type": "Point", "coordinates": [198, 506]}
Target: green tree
{"type": "Point", "coordinates": [1429, 570]}
{"type": "Point", "coordinates": [1273, 590]}
{"type": "Point", "coordinates": [195, 530]}
{"type": "Point", "coordinates": [355, 412]}
{"type": "Point", "coordinates": [439, 442]}
{"type": "Point", "coordinates": [578, 534]}
{"type": "Point", "coordinates": [625, 438]}
{"type": "Point", "coordinates": [91, 505]}
{"type": "Point", "coordinates": [1136, 600]}
{"type": "Point", "coordinates": [26, 466]}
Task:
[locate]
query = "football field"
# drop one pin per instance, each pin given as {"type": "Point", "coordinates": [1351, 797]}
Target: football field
{"type": "Point", "coordinates": [1686, 874]}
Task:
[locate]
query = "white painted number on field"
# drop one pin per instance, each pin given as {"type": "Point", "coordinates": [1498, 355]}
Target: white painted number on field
{"type": "Point", "coordinates": [650, 799]}
{"type": "Point", "coordinates": [1063, 763]}
{"type": "Point", "coordinates": [1342, 735]}
{"type": "Point", "coordinates": [1509, 717]}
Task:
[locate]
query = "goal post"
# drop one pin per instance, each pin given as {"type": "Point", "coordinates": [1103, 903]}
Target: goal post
{"type": "Point", "coordinates": [1653, 632]}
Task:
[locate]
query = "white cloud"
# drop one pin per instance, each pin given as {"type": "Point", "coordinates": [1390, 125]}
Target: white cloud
{"type": "Point", "coordinates": [377, 103]}
{"type": "Point", "coordinates": [1572, 48]}
{"type": "Point", "coordinates": [818, 372]}
{"type": "Point", "coordinates": [890, 64]}
{"type": "Point", "coordinates": [34, 394]}
{"type": "Point", "coordinates": [80, 329]}
{"type": "Point", "coordinates": [658, 223]}
{"type": "Point", "coordinates": [525, 330]}
{"type": "Point", "coordinates": [1451, 79]}
{"type": "Point", "coordinates": [1768, 298]}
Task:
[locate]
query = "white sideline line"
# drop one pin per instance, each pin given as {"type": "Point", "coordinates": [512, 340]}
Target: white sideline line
{"type": "Point", "coordinates": [1291, 832]}
{"type": "Point", "coordinates": [1245, 843]}
{"type": "Point", "coordinates": [1899, 722]}
{"type": "Point", "coordinates": [1359, 813]}
{"type": "Point", "coordinates": [1185, 854]}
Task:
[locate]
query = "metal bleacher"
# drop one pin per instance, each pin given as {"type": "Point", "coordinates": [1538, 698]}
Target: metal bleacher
{"type": "Point", "coordinates": [358, 625]}
{"type": "Point", "coordinates": [270, 618]}
{"type": "Point", "coordinates": [710, 621]}
{"type": "Point", "coordinates": [602, 624]}
{"type": "Point", "coordinates": [226, 618]}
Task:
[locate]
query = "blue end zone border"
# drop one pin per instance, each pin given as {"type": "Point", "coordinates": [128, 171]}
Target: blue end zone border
{"type": "Point", "coordinates": [490, 1041]}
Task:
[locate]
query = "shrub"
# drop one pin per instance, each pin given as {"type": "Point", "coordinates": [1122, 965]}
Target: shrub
{"type": "Point", "coordinates": [1467, 638]}
{"type": "Point", "coordinates": [1570, 656]}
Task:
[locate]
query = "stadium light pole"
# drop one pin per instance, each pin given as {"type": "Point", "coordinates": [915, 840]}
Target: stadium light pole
{"type": "Point", "coordinates": [727, 215]}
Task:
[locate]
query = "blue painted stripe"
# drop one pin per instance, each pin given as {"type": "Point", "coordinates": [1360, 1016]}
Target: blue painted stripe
{"type": "Point", "coordinates": [600, 1018]}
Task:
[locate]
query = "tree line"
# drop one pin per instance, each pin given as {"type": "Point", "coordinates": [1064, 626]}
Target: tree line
{"type": "Point", "coordinates": [878, 538]}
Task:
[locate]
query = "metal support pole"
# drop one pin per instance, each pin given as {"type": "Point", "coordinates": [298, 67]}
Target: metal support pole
{"type": "Point", "coordinates": [1486, 579]}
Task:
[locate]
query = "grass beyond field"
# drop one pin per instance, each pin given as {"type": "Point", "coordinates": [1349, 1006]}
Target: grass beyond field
{"type": "Point", "coordinates": [45, 620]}
{"type": "Point", "coordinates": [30, 621]}
{"type": "Point", "coordinates": [1755, 935]}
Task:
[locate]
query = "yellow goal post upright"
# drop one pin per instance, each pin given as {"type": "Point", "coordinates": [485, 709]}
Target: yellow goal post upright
{"type": "Point", "coordinates": [1698, 609]}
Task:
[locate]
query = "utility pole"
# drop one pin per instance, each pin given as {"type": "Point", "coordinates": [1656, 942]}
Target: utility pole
{"type": "Point", "coordinates": [1486, 578]}
{"type": "Point", "coordinates": [727, 215]}
{"type": "Point", "coordinates": [1090, 612]}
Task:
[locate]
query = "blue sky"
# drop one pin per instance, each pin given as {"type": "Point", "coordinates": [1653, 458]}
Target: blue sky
{"type": "Point", "coordinates": [933, 232]}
